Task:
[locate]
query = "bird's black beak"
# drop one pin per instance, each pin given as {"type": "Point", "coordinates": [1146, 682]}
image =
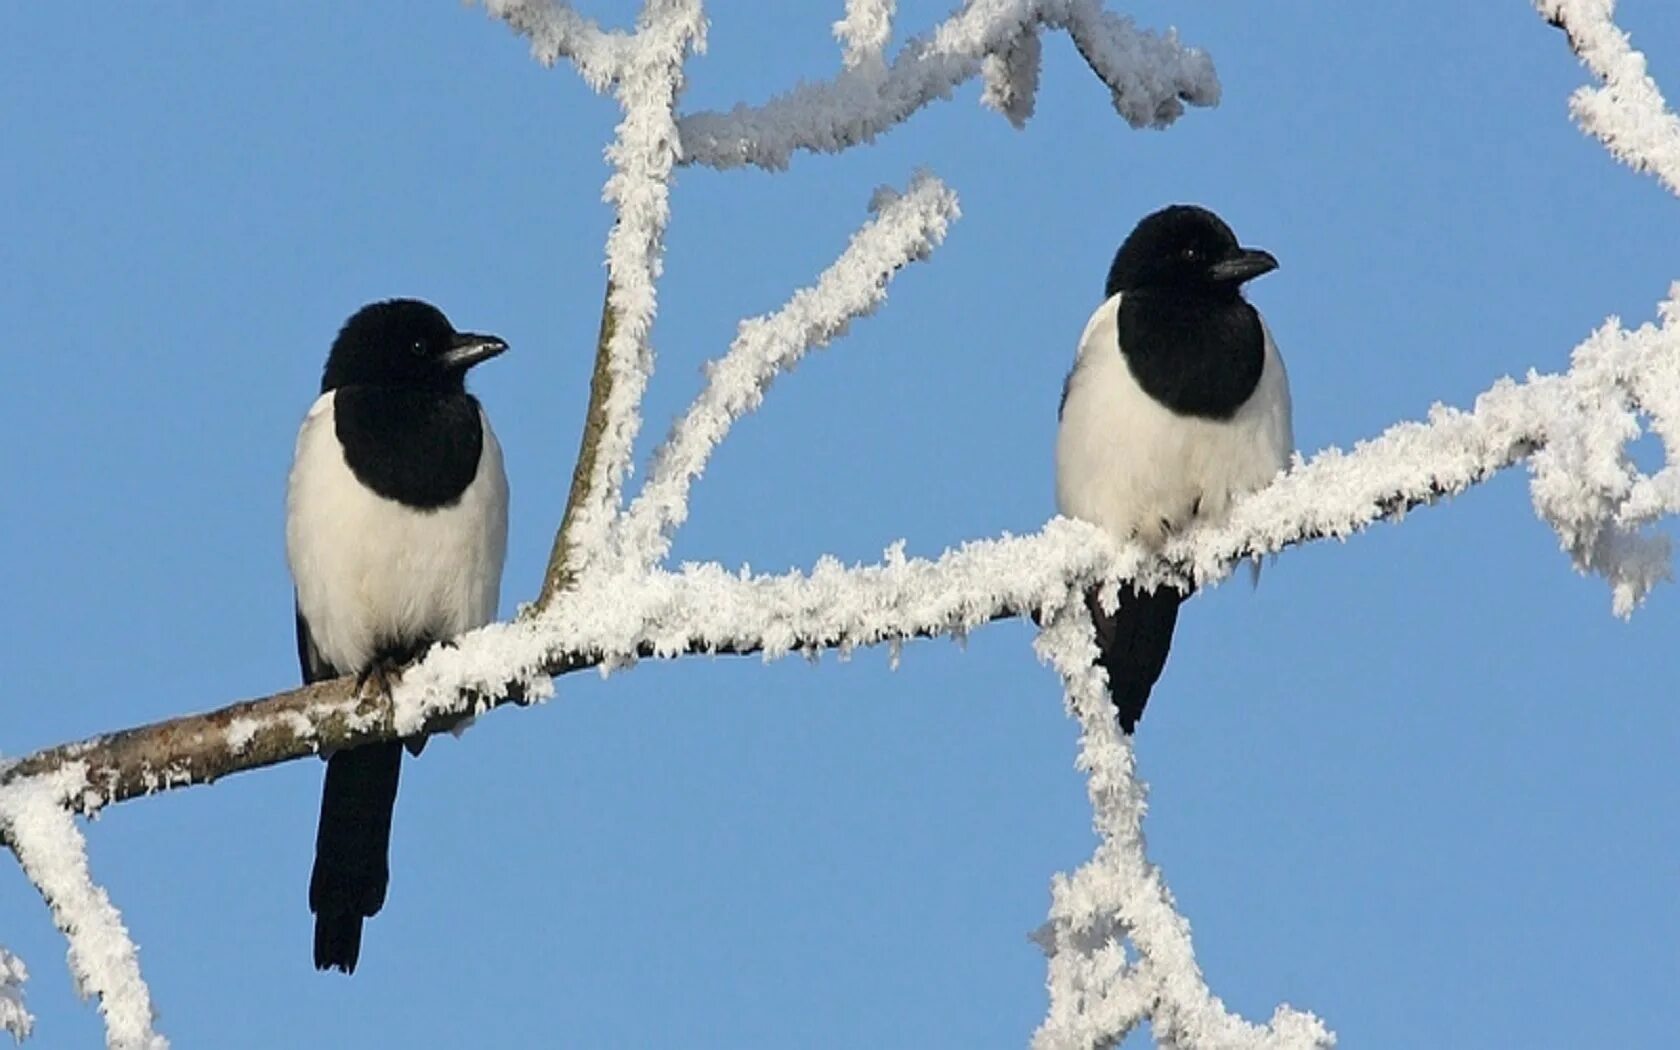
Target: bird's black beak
{"type": "Point", "coordinates": [1244, 264]}
{"type": "Point", "coordinates": [468, 348]}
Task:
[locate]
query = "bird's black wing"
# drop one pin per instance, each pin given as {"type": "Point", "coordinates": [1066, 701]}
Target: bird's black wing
{"type": "Point", "coordinates": [314, 667]}
{"type": "Point", "coordinates": [1132, 645]}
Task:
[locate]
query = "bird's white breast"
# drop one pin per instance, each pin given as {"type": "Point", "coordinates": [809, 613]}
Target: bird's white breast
{"type": "Point", "coordinates": [1127, 463]}
{"type": "Point", "coordinates": [371, 572]}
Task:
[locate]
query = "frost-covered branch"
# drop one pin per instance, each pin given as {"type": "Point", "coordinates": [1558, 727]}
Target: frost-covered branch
{"type": "Point", "coordinates": [15, 1018]}
{"type": "Point", "coordinates": [644, 71]}
{"type": "Point", "coordinates": [907, 228]}
{"type": "Point", "coordinates": [642, 156]}
{"type": "Point", "coordinates": [1097, 993]}
{"type": "Point", "coordinates": [203, 748]}
{"type": "Point", "coordinates": [556, 32]}
{"type": "Point", "coordinates": [1011, 77]}
{"type": "Point", "coordinates": [1150, 77]}
{"type": "Point", "coordinates": [1572, 428]}
{"type": "Point", "coordinates": [1627, 113]}
{"type": "Point", "coordinates": [103, 961]}
{"type": "Point", "coordinates": [864, 33]}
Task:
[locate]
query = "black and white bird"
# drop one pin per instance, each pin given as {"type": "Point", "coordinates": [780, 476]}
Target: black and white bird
{"type": "Point", "coordinates": [396, 528]}
{"type": "Point", "coordinates": [1177, 404]}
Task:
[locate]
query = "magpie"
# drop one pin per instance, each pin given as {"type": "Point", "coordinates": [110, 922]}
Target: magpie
{"type": "Point", "coordinates": [1177, 403]}
{"type": "Point", "coordinates": [396, 528]}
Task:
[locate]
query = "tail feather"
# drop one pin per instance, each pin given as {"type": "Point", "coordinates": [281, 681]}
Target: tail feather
{"type": "Point", "coordinates": [338, 940]}
{"type": "Point", "coordinates": [352, 849]}
{"type": "Point", "coordinates": [1132, 645]}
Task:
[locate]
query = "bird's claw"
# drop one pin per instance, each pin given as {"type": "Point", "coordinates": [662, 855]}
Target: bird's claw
{"type": "Point", "coordinates": [374, 683]}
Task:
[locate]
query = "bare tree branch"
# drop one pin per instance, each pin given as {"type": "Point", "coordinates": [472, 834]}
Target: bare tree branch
{"type": "Point", "coordinates": [561, 573]}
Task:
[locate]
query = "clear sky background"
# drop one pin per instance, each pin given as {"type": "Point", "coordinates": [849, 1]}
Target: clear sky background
{"type": "Point", "coordinates": [1422, 783]}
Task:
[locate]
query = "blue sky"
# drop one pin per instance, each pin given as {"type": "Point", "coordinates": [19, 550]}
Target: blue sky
{"type": "Point", "coordinates": [1421, 783]}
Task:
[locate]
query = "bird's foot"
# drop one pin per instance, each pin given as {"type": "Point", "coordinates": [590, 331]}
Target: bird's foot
{"type": "Point", "coordinates": [374, 683]}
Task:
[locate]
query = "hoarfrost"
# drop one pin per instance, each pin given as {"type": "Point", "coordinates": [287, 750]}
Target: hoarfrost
{"type": "Point", "coordinates": [1119, 951]}
{"type": "Point", "coordinates": [15, 1017]}
{"type": "Point", "coordinates": [103, 960]}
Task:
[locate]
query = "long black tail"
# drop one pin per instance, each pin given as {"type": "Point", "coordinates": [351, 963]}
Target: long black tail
{"type": "Point", "coordinates": [352, 849]}
{"type": "Point", "coordinates": [1133, 645]}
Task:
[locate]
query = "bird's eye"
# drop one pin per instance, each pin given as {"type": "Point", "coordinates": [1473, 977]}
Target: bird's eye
{"type": "Point", "coordinates": [1190, 254]}
{"type": "Point", "coordinates": [418, 349]}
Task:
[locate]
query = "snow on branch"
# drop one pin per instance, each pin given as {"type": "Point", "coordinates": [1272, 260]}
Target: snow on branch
{"type": "Point", "coordinates": [556, 32]}
{"type": "Point", "coordinates": [1011, 77]}
{"type": "Point", "coordinates": [1150, 76]}
{"type": "Point", "coordinates": [642, 156]}
{"type": "Point", "coordinates": [1627, 113]}
{"type": "Point", "coordinates": [864, 32]}
{"type": "Point", "coordinates": [15, 1018]}
{"type": "Point", "coordinates": [103, 961]}
{"type": "Point", "coordinates": [1572, 428]}
{"type": "Point", "coordinates": [907, 228]}
{"type": "Point", "coordinates": [645, 72]}
{"type": "Point", "coordinates": [1098, 993]}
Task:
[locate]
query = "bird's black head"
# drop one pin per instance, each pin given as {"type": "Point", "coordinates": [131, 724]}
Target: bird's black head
{"type": "Point", "coordinates": [404, 343]}
{"type": "Point", "coordinates": [1185, 249]}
